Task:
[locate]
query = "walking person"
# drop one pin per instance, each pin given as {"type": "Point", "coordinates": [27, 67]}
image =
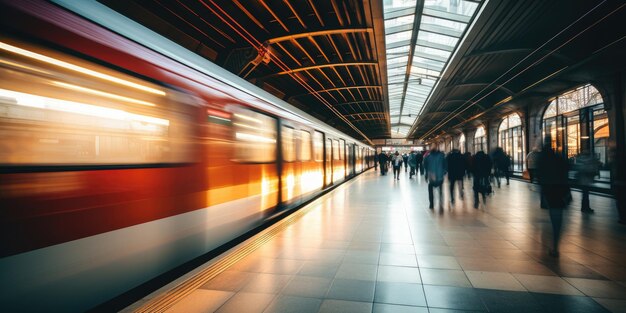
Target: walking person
{"type": "Point", "coordinates": [419, 162]}
{"type": "Point", "coordinates": [501, 164]}
{"type": "Point", "coordinates": [456, 171]}
{"type": "Point", "coordinates": [396, 162]}
{"type": "Point", "coordinates": [434, 170]}
{"type": "Point", "coordinates": [412, 162]}
{"type": "Point", "coordinates": [405, 161]}
{"type": "Point", "coordinates": [468, 163]}
{"type": "Point", "coordinates": [382, 161]}
{"type": "Point", "coordinates": [555, 191]}
{"type": "Point", "coordinates": [481, 169]}
{"type": "Point", "coordinates": [587, 168]}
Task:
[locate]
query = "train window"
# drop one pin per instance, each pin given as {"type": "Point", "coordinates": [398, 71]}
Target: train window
{"type": "Point", "coordinates": [305, 145]}
{"type": "Point", "coordinates": [335, 150]}
{"type": "Point", "coordinates": [289, 144]}
{"type": "Point", "coordinates": [318, 146]}
{"type": "Point", "coordinates": [255, 136]}
{"type": "Point", "coordinates": [342, 149]}
{"type": "Point", "coordinates": [59, 110]}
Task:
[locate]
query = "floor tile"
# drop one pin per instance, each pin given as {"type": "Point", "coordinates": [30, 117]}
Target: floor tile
{"type": "Point", "coordinates": [352, 290]}
{"type": "Point", "coordinates": [509, 301]}
{"type": "Point", "coordinates": [319, 269]}
{"type": "Point", "coordinates": [494, 280]}
{"type": "Point", "coordinates": [393, 308]}
{"type": "Point", "coordinates": [340, 306]}
{"type": "Point", "coordinates": [229, 281]}
{"type": "Point", "coordinates": [307, 286]}
{"type": "Point", "coordinates": [547, 284]}
{"type": "Point", "coordinates": [246, 302]}
{"type": "Point", "coordinates": [201, 300]}
{"type": "Point", "coordinates": [400, 293]}
{"type": "Point", "coordinates": [444, 277]}
{"type": "Point", "coordinates": [399, 274]}
{"type": "Point", "coordinates": [613, 305]}
{"type": "Point", "coordinates": [291, 304]}
{"type": "Point", "coordinates": [453, 298]}
{"type": "Point", "coordinates": [267, 283]}
{"type": "Point", "coordinates": [569, 304]}
{"type": "Point", "coordinates": [436, 261]}
{"type": "Point", "coordinates": [357, 271]}
{"type": "Point", "coordinates": [397, 259]}
{"type": "Point", "coordinates": [599, 288]}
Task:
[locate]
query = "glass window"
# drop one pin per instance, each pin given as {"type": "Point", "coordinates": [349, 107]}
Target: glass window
{"type": "Point", "coordinates": [318, 146]}
{"type": "Point", "coordinates": [289, 144]}
{"type": "Point", "coordinates": [255, 136]}
{"type": "Point", "coordinates": [577, 123]}
{"type": "Point", "coordinates": [336, 150]}
{"type": "Point", "coordinates": [480, 140]}
{"type": "Point", "coordinates": [305, 145]}
{"type": "Point", "coordinates": [511, 139]}
{"type": "Point", "coordinates": [56, 109]}
{"type": "Point", "coordinates": [462, 143]}
{"type": "Point", "coordinates": [342, 149]}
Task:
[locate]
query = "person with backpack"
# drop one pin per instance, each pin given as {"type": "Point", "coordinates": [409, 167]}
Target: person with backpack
{"type": "Point", "coordinates": [481, 169]}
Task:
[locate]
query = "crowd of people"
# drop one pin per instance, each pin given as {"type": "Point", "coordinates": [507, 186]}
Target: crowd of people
{"type": "Point", "coordinates": [546, 167]}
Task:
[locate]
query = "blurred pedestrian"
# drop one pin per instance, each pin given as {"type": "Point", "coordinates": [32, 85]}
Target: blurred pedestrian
{"type": "Point", "coordinates": [412, 162]}
{"type": "Point", "coordinates": [405, 161]}
{"type": "Point", "coordinates": [555, 191]}
{"type": "Point", "coordinates": [434, 171]}
{"type": "Point", "coordinates": [419, 159]}
{"type": "Point", "coordinates": [468, 163]}
{"type": "Point", "coordinates": [396, 162]}
{"type": "Point", "coordinates": [501, 164]}
{"type": "Point", "coordinates": [481, 170]}
{"type": "Point", "coordinates": [587, 168]}
{"type": "Point", "coordinates": [456, 171]}
{"type": "Point", "coordinates": [382, 161]}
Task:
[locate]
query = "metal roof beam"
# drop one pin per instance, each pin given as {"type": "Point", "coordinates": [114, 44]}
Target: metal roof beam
{"type": "Point", "coordinates": [319, 33]}
{"type": "Point", "coordinates": [500, 87]}
{"type": "Point", "coordinates": [339, 89]}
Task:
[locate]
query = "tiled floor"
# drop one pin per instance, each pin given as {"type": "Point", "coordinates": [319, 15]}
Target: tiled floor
{"type": "Point", "coordinates": [372, 245]}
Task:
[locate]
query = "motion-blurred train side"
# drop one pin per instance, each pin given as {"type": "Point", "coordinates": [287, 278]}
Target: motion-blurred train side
{"type": "Point", "coordinates": [118, 163]}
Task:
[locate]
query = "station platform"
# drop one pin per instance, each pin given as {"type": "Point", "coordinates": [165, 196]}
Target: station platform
{"type": "Point", "coordinates": [373, 245]}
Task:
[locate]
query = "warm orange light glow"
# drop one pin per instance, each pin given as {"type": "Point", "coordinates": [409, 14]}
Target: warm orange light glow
{"type": "Point", "coordinates": [76, 68]}
{"type": "Point", "coordinates": [41, 102]}
{"type": "Point", "coordinates": [102, 93]}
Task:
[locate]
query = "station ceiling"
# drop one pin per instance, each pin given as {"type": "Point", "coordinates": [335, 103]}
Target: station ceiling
{"type": "Point", "coordinates": [399, 68]}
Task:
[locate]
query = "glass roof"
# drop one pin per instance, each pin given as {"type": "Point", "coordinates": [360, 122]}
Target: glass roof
{"type": "Point", "coordinates": [415, 61]}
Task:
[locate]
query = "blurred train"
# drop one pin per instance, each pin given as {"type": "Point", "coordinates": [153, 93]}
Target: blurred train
{"type": "Point", "coordinates": [123, 155]}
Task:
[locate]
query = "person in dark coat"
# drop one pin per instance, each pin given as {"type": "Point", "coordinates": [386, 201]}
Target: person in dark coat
{"type": "Point", "coordinates": [456, 171]}
{"type": "Point", "coordinates": [412, 162]}
{"type": "Point", "coordinates": [555, 192]}
{"type": "Point", "coordinates": [435, 169]}
{"type": "Point", "coordinates": [481, 169]}
{"type": "Point", "coordinates": [468, 163]}
{"type": "Point", "coordinates": [501, 165]}
{"type": "Point", "coordinates": [405, 161]}
{"type": "Point", "coordinates": [419, 160]}
{"type": "Point", "coordinates": [396, 162]}
{"type": "Point", "coordinates": [382, 161]}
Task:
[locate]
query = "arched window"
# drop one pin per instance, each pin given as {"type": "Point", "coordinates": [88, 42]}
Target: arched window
{"type": "Point", "coordinates": [462, 143]}
{"type": "Point", "coordinates": [577, 122]}
{"type": "Point", "coordinates": [511, 138]}
{"type": "Point", "coordinates": [480, 140]}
